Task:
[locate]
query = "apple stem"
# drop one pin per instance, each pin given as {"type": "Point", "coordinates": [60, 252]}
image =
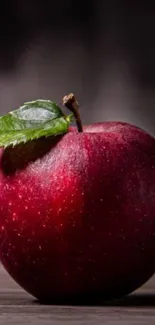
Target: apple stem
{"type": "Point", "coordinates": [70, 102]}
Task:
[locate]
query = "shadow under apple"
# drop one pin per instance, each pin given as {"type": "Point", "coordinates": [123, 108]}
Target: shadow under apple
{"type": "Point", "coordinates": [132, 300]}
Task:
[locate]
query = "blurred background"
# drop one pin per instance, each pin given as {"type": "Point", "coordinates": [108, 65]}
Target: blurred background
{"type": "Point", "coordinates": [103, 51]}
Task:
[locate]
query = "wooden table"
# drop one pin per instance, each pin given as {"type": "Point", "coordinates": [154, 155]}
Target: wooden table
{"type": "Point", "coordinates": [18, 307]}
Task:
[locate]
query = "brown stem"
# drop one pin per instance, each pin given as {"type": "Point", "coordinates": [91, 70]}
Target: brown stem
{"type": "Point", "coordinates": [70, 102]}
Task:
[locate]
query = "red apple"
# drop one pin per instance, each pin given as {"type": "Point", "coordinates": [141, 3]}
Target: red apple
{"type": "Point", "coordinates": [77, 213]}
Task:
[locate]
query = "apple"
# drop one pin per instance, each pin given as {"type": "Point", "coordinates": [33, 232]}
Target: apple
{"type": "Point", "coordinates": [77, 212]}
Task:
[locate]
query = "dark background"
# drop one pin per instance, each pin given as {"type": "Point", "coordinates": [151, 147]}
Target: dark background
{"type": "Point", "coordinates": [103, 51]}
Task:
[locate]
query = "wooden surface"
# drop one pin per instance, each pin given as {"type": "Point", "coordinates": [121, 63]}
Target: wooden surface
{"type": "Point", "coordinates": [17, 307]}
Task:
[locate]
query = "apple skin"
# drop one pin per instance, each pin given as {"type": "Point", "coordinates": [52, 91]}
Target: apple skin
{"type": "Point", "coordinates": [77, 213]}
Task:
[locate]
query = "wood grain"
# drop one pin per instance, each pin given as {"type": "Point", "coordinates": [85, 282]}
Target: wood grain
{"type": "Point", "coordinates": [18, 307]}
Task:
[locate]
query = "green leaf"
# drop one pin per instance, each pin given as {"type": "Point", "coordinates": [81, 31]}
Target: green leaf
{"type": "Point", "coordinates": [30, 114]}
{"type": "Point", "coordinates": [31, 121]}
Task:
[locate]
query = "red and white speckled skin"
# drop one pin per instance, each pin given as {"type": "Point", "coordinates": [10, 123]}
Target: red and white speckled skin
{"type": "Point", "coordinates": [77, 213]}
